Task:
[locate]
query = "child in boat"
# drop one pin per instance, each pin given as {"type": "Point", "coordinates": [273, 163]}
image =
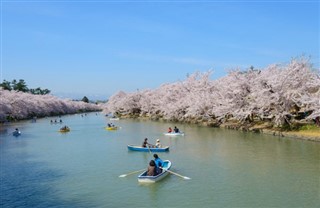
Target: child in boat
{"type": "Point", "coordinates": [169, 130]}
{"type": "Point", "coordinates": [151, 168]}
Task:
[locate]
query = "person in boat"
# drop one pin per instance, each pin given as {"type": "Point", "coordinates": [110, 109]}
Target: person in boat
{"type": "Point", "coordinates": [158, 144]}
{"type": "Point", "coordinates": [159, 163]}
{"type": "Point", "coordinates": [169, 130]}
{"type": "Point", "coordinates": [176, 130]}
{"type": "Point", "coordinates": [16, 132]}
{"type": "Point", "coordinates": [64, 128]}
{"type": "Point", "coordinates": [109, 125]}
{"type": "Point", "coordinates": [145, 143]}
{"type": "Point", "coordinates": [151, 168]}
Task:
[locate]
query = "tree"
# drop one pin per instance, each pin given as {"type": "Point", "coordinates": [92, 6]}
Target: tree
{"type": "Point", "coordinates": [19, 105]}
{"type": "Point", "coordinates": [85, 99]}
{"type": "Point", "coordinates": [6, 85]}
{"type": "Point", "coordinates": [20, 86]}
{"type": "Point", "coordinates": [39, 91]}
{"type": "Point", "coordinates": [278, 93]}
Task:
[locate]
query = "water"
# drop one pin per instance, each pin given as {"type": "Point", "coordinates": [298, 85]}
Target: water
{"type": "Point", "coordinates": [45, 168]}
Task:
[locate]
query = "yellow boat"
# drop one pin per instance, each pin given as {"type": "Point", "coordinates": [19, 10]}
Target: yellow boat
{"type": "Point", "coordinates": [64, 130]}
{"type": "Point", "coordinates": [111, 128]}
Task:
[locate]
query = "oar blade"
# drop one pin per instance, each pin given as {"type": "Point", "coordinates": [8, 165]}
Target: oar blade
{"type": "Point", "coordinates": [186, 178]}
{"type": "Point", "coordinates": [124, 175]}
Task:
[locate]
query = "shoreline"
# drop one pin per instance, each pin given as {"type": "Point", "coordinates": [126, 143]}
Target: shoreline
{"type": "Point", "coordinates": [255, 127]}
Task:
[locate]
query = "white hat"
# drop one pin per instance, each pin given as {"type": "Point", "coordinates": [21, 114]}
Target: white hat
{"type": "Point", "coordinates": [158, 140]}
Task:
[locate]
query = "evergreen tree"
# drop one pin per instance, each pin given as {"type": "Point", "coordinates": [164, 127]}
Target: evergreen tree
{"type": "Point", "coordinates": [85, 99]}
{"type": "Point", "coordinates": [20, 86]}
{"type": "Point", "coordinates": [6, 85]}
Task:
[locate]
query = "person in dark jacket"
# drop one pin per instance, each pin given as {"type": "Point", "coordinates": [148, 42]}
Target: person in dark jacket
{"type": "Point", "coordinates": [145, 143]}
{"type": "Point", "coordinates": [151, 168]}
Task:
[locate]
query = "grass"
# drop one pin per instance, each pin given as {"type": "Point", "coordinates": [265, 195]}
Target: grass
{"type": "Point", "coordinates": [310, 130]}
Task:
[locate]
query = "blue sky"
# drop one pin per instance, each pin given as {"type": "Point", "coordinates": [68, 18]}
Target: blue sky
{"type": "Point", "coordinates": [96, 48]}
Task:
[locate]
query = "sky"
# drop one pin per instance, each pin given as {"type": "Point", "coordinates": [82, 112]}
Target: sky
{"type": "Point", "coordinates": [97, 48]}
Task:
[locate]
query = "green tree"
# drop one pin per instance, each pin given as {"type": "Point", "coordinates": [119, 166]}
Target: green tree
{"type": "Point", "coordinates": [20, 86]}
{"type": "Point", "coordinates": [45, 91]}
{"type": "Point", "coordinates": [85, 99]}
{"type": "Point", "coordinates": [39, 91]}
{"type": "Point", "coordinates": [6, 85]}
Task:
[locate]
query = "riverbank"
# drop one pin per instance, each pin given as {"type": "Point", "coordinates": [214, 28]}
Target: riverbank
{"type": "Point", "coordinates": [304, 133]}
{"type": "Point", "coordinates": [309, 132]}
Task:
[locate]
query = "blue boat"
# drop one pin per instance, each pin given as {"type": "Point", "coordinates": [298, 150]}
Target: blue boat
{"type": "Point", "coordinates": [146, 149]}
{"type": "Point", "coordinates": [16, 133]}
{"type": "Point", "coordinates": [143, 178]}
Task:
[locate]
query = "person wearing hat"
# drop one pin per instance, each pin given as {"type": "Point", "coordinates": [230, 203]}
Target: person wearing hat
{"type": "Point", "coordinates": [158, 144]}
{"type": "Point", "coordinates": [159, 163]}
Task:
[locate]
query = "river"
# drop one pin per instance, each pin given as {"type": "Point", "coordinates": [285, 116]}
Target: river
{"type": "Point", "coordinates": [81, 168]}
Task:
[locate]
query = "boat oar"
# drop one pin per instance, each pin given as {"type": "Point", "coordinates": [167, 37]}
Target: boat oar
{"type": "Point", "coordinates": [149, 150]}
{"type": "Point", "coordinates": [184, 177]}
{"type": "Point", "coordinates": [137, 171]}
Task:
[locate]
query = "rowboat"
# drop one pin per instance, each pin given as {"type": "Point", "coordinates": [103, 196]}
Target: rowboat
{"type": "Point", "coordinates": [111, 128]}
{"type": "Point", "coordinates": [16, 133]}
{"type": "Point", "coordinates": [174, 134]}
{"type": "Point", "coordinates": [143, 178]}
{"type": "Point", "coordinates": [64, 130]}
{"type": "Point", "coordinates": [114, 119]}
{"type": "Point", "coordinates": [146, 149]}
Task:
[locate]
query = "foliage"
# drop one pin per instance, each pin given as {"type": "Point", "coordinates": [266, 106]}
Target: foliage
{"type": "Point", "coordinates": [19, 105]}
{"type": "Point", "coordinates": [309, 127]}
{"type": "Point", "coordinates": [279, 93]}
{"type": "Point", "coordinates": [85, 99]}
{"type": "Point", "coordinates": [21, 86]}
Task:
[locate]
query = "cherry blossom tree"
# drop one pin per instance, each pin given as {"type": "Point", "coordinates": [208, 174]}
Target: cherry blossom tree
{"type": "Point", "coordinates": [20, 105]}
{"type": "Point", "coordinates": [280, 93]}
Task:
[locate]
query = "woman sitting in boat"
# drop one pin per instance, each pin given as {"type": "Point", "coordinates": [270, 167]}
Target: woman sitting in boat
{"type": "Point", "coordinates": [151, 168]}
{"type": "Point", "coordinates": [169, 130]}
{"type": "Point", "coordinates": [158, 144]}
{"type": "Point", "coordinates": [159, 163]}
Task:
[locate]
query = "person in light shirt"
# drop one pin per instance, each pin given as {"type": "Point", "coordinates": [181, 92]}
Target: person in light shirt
{"type": "Point", "coordinates": [158, 144]}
